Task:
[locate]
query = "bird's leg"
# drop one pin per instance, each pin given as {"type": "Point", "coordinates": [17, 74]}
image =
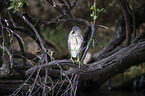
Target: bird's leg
{"type": "Point", "coordinates": [78, 61]}
{"type": "Point", "coordinates": [71, 59]}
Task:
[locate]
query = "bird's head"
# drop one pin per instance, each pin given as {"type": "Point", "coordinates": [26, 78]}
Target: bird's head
{"type": "Point", "coordinates": [75, 30]}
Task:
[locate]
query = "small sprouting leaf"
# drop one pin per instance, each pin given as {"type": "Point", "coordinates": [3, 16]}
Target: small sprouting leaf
{"type": "Point", "coordinates": [92, 7]}
{"type": "Point", "coordinates": [10, 7]}
{"type": "Point", "coordinates": [20, 4]}
{"type": "Point", "coordinates": [95, 11]}
{"type": "Point", "coordinates": [102, 9]}
{"type": "Point", "coordinates": [95, 17]}
{"type": "Point", "coordinates": [17, 4]}
{"type": "Point", "coordinates": [91, 15]}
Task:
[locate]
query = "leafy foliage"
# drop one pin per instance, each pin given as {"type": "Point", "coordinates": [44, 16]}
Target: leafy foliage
{"type": "Point", "coordinates": [17, 4]}
{"type": "Point", "coordinates": [95, 11]}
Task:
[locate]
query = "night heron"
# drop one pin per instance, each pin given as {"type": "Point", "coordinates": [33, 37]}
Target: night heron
{"type": "Point", "coordinates": [75, 41]}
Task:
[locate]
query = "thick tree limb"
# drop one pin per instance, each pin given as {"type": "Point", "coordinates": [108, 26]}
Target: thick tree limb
{"type": "Point", "coordinates": [98, 71]}
{"type": "Point", "coordinates": [106, 68]}
{"type": "Point", "coordinates": [116, 63]}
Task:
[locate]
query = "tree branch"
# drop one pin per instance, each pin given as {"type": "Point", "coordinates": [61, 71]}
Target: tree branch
{"type": "Point", "coordinates": [127, 18]}
{"type": "Point", "coordinates": [116, 63]}
{"type": "Point", "coordinates": [121, 32]}
{"type": "Point", "coordinates": [19, 54]}
{"type": "Point", "coordinates": [89, 43]}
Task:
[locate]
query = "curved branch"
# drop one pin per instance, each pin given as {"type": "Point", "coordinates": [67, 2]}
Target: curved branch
{"type": "Point", "coordinates": [121, 32]}
{"type": "Point", "coordinates": [35, 31]}
{"type": "Point", "coordinates": [9, 53]}
{"type": "Point", "coordinates": [104, 69]}
{"type": "Point", "coordinates": [116, 63]}
{"type": "Point", "coordinates": [89, 43]}
{"type": "Point", "coordinates": [127, 19]}
{"type": "Point", "coordinates": [55, 64]}
{"type": "Point", "coordinates": [26, 31]}
{"type": "Point", "coordinates": [19, 39]}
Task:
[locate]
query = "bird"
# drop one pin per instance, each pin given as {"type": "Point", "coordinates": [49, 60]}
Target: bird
{"type": "Point", "coordinates": [75, 40]}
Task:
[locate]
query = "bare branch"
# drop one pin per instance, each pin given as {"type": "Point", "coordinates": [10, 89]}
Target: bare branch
{"type": "Point", "coordinates": [35, 31]}
{"type": "Point", "coordinates": [66, 8]}
{"type": "Point", "coordinates": [127, 18]}
{"type": "Point", "coordinates": [20, 41]}
{"type": "Point", "coordinates": [89, 43]}
{"type": "Point", "coordinates": [53, 4]}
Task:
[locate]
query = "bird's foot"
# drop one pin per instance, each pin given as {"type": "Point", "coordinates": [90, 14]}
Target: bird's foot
{"type": "Point", "coordinates": [71, 60]}
{"type": "Point", "coordinates": [80, 63]}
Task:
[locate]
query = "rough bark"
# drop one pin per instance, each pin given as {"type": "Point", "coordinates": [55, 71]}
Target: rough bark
{"type": "Point", "coordinates": [116, 63]}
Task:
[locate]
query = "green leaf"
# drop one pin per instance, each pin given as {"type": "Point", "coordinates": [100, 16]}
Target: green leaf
{"type": "Point", "coordinates": [102, 9]}
{"type": "Point", "coordinates": [92, 15]}
{"type": "Point", "coordinates": [10, 7]}
{"type": "Point", "coordinates": [92, 7]}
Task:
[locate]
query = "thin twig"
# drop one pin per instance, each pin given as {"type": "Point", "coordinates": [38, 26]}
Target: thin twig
{"type": "Point", "coordinates": [66, 8]}
{"type": "Point", "coordinates": [74, 4]}
{"type": "Point", "coordinates": [45, 81]}
{"type": "Point", "coordinates": [53, 4]}
{"type": "Point", "coordinates": [35, 31]}
{"type": "Point", "coordinates": [35, 81]}
{"type": "Point", "coordinates": [19, 89]}
{"type": "Point", "coordinates": [8, 52]}
{"type": "Point", "coordinates": [60, 87]}
{"type": "Point", "coordinates": [89, 43]}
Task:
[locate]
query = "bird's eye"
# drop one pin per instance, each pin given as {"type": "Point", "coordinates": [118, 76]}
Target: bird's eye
{"type": "Point", "coordinates": [73, 32]}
